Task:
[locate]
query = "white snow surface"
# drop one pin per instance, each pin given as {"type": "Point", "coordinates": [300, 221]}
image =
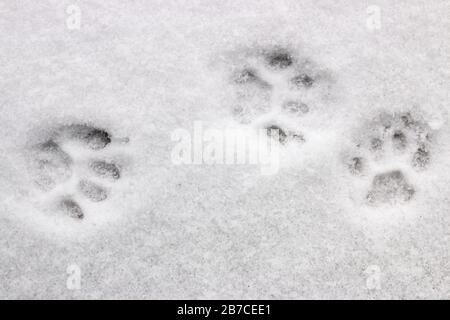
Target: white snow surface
{"type": "Point", "coordinates": [142, 69]}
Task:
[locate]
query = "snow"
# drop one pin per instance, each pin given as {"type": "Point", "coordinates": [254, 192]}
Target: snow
{"type": "Point", "coordinates": [143, 69]}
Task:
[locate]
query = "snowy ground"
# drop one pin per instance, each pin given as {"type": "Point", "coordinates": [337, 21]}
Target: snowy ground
{"type": "Point", "coordinates": [345, 216]}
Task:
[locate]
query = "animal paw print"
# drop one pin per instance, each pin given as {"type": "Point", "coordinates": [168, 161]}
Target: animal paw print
{"type": "Point", "coordinates": [399, 137]}
{"type": "Point", "coordinates": [282, 136]}
{"type": "Point", "coordinates": [69, 167]}
{"type": "Point", "coordinates": [275, 89]}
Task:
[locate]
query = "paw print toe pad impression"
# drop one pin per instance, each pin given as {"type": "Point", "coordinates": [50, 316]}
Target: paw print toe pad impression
{"type": "Point", "coordinates": [54, 169]}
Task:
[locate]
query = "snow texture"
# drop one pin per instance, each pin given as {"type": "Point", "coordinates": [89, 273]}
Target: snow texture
{"type": "Point", "coordinates": [355, 94]}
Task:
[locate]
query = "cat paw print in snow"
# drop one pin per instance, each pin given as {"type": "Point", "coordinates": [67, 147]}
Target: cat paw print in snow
{"type": "Point", "coordinates": [275, 88]}
{"type": "Point", "coordinates": [388, 151]}
{"type": "Point", "coordinates": [72, 166]}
